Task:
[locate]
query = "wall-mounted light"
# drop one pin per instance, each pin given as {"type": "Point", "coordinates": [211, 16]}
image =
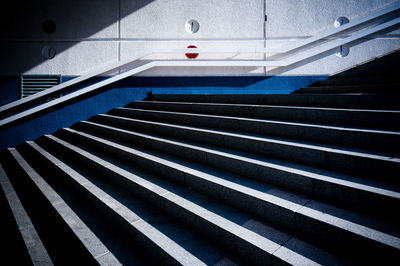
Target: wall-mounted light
{"type": "Point", "coordinates": [340, 21]}
{"type": "Point", "coordinates": [344, 50]}
{"type": "Point", "coordinates": [192, 26]}
{"type": "Point", "coordinates": [48, 52]}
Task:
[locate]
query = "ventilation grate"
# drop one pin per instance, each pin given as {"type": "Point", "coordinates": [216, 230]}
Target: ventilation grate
{"type": "Point", "coordinates": [31, 84]}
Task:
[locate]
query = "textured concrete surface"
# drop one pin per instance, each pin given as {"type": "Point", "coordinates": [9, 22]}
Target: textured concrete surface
{"type": "Point", "coordinates": [93, 33]}
{"type": "Point", "coordinates": [311, 153]}
{"type": "Point", "coordinates": [369, 102]}
{"type": "Point", "coordinates": [80, 58]}
{"type": "Point", "coordinates": [354, 117]}
{"type": "Point", "coordinates": [290, 18]}
{"type": "Point", "coordinates": [323, 184]}
{"type": "Point", "coordinates": [34, 244]}
{"type": "Point", "coordinates": [218, 19]}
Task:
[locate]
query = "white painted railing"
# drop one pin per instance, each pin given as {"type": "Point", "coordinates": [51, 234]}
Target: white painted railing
{"type": "Point", "coordinates": [148, 64]}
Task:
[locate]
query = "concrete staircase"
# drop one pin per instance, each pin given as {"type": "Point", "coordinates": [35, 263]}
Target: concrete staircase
{"type": "Point", "coordinates": [308, 178]}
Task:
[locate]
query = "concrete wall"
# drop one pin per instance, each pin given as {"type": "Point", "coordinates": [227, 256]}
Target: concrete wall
{"type": "Point", "coordinates": [90, 33]}
{"type": "Point", "coordinates": [292, 20]}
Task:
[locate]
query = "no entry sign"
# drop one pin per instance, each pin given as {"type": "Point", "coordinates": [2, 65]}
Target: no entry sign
{"type": "Point", "coordinates": [192, 55]}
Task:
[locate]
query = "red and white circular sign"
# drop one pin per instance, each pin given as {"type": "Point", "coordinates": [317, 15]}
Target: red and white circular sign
{"type": "Point", "coordinates": [192, 55]}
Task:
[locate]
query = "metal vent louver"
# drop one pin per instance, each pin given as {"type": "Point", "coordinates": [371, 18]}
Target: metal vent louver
{"type": "Point", "coordinates": [31, 84]}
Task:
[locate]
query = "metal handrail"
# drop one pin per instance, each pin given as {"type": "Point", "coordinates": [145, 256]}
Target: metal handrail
{"type": "Point", "coordinates": [314, 51]}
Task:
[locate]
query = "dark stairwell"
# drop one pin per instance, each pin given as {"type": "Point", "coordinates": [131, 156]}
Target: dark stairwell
{"type": "Point", "coordinates": [306, 178]}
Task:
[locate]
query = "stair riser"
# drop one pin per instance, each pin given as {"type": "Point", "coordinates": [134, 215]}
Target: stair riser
{"type": "Point", "coordinates": [362, 250]}
{"type": "Point", "coordinates": [329, 237]}
{"type": "Point", "coordinates": [346, 138]}
{"type": "Point", "coordinates": [351, 89]}
{"type": "Point", "coordinates": [18, 231]}
{"type": "Point", "coordinates": [230, 242]}
{"type": "Point", "coordinates": [384, 120]}
{"type": "Point", "coordinates": [392, 58]}
{"type": "Point", "coordinates": [305, 178]}
{"type": "Point", "coordinates": [359, 74]}
{"type": "Point", "coordinates": [141, 240]}
{"type": "Point", "coordinates": [358, 81]}
{"type": "Point", "coordinates": [379, 65]}
{"type": "Point", "coordinates": [282, 217]}
{"type": "Point", "coordinates": [364, 166]}
{"type": "Point", "coordinates": [50, 226]}
{"type": "Point", "coordinates": [69, 181]}
{"type": "Point", "coordinates": [347, 196]}
{"type": "Point", "coordinates": [68, 201]}
{"type": "Point", "coordinates": [385, 102]}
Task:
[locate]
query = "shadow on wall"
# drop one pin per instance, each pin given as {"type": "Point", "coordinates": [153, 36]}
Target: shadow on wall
{"type": "Point", "coordinates": [8, 91]}
{"type": "Point", "coordinates": [45, 22]}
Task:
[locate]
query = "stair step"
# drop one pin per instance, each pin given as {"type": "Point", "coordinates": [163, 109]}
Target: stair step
{"type": "Point", "coordinates": [384, 141]}
{"type": "Point", "coordinates": [89, 244]}
{"type": "Point", "coordinates": [353, 101]}
{"type": "Point", "coordinates": [163, 248]}
{"type": "Point", "coordinates": [391, 57]}
{"type": "Point", "coordinates": [356, 81]}
{"type": "Point", "coordinates": [34, 245]}
{"type": "Point", "coordinates": [313, 182]}
{"type": "Point", "coordinates": [236, 239]}
{"type": "Point", "coordinates": [291, 215]}
{"type": "Point", "coordinates": [307, 178]}
{"type": "Point", "coordinates": [389, 62]}
{"type": "Point", "coordinates": [199, 247]}
{"type": "Point", "coordinates": [323, 156]}
{"type": "Point", "coordinates": [330, 116]}
{"type": "Point", "coordinates": [382, 72]}
{"type": "Point", "coordinates": [333, 88]}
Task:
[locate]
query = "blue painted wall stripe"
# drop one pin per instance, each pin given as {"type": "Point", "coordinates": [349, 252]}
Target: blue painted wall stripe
{"type": "Point", "coordinates": [69, 115]}
{"type": "Point", "coordinates": [133, 89]}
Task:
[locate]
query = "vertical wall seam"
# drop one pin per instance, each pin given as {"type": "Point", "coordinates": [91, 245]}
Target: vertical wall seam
{"type": "Point", "coordinates": [119, 30]}
{"type": "Point", "coordinates": [265, 33]}
{"type": "Point", "coordinates": [119, 33]}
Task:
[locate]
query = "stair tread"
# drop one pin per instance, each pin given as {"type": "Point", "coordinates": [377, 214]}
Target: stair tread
{"type": "Point", "coordinates": [305, 124]}
{"type": "Point", "coordinates": [306, 178]}
{"type": "Point", "coordinates": [262, 127]}
{"type": "Point", "coordinates": [325, 84]}
{"type": "Point", "coordinates": [169, 246]}
{"type": "Point", "coordinates": [377, 101]}
{"type": "Point", "coordinates": [36, 249]}
{"type": "Point", "coordinates": [259, 243]}
{"type": "Point", "coordinates": [375, 190]}
{"type": "Point", "coordinates": [85, 235]}
{"type": "Point", "coordinates": [361, 118]}
{"type": "Point", "coordinates": [379, 141]}
{"type": "Point", "coordinates": [279, 196]}
{"type": "Point", "coordinates": [376, 81]}
{"type": "Point", "coordinates": [273, 106]}
{"type": "Point", "coordinates": [294, 207]}
{"type": "Point", "coordinates": [314, 172]}
{"type": "Point", "coordinates": [363, 73]}
{"type": "Point", "coordinates": [297, 143]}
{"type": "Point", "coordinates": [193, 199]}
{"type": "Point", "coordinates": [262, 228]}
